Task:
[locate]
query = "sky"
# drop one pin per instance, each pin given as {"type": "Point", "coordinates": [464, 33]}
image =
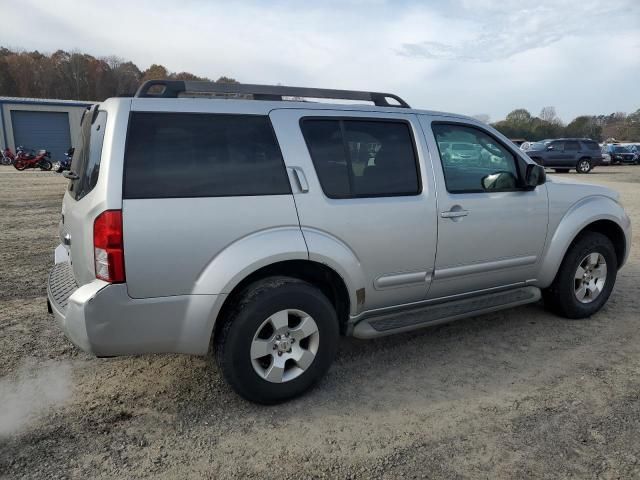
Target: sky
{"type": "Point", "coordinates": [465, 56]}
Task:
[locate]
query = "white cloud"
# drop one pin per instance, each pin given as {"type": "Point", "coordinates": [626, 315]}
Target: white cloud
{"type": "Point", "coordinates": [583, 56]}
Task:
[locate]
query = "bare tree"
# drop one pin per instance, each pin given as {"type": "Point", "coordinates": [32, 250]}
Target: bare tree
{"type": "Point", "coordinates": [548, 114]}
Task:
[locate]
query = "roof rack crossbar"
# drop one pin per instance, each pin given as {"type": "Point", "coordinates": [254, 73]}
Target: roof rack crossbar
{"type": "Point", "coordinates": [175, 88]}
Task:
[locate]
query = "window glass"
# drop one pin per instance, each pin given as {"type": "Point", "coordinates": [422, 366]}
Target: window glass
{"type": "Point", "coordinates": [592, 146]}
{"type": "Point", "coordinates": [362, 158]}
{"type": "Point", "coordinates": [473, 161]}
{"type": "Point", "coordinates": [557, 146]}
{"type": "Point", "coordinates": [202, 155]}
{"type": "Point", "coordinates": [86, 157]}
{"type": "Point", "coordinates": [571, 146]}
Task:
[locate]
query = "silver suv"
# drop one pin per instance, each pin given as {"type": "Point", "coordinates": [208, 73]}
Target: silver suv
{"type": "Point", "coordinates": [203, 215]}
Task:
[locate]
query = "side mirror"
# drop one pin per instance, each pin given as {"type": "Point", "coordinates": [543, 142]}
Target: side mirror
{"type": "Point", "coordinates": [535, 175]}
{"type": "Point", "coordinates": [498, 181]}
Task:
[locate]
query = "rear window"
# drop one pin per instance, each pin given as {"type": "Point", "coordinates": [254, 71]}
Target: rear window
{"type": "Point", "coordinates": [362, 158]}
{"type": "Point", "coordinates": [202, 155]}
{"type": "Point", "coordinates": [86, 157]}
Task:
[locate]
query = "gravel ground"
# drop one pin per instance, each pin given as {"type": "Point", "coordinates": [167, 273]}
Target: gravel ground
{"type": "Point", "coordinates": [515, 394]}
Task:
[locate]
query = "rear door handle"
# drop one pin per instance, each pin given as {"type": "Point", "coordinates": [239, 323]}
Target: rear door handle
{"type": "Point", "coordinates": [301, 179]}
{"type": "Point", "coordinates": [454, 213]}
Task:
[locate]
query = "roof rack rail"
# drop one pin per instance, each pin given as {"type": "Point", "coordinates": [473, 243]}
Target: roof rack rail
{"type": "Point", "coordinates": [177, 88]}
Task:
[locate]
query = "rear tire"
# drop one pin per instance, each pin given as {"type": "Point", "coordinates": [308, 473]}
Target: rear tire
{"type": "Point", "coordinates": [264, 351]}
{"type": "Point", "coordinates": [584, 165]}
{"type": "Point", "coordinates": [45, 165]}
{"type": "Point", "coordinates": [565, 296]}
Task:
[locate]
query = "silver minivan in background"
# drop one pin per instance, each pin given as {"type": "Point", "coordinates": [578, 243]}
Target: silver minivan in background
{"type": "Point", "coordinates": [245, 220]}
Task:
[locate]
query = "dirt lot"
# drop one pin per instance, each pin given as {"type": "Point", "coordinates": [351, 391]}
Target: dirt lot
{"type": "Point", "coordinates": [516, 394]}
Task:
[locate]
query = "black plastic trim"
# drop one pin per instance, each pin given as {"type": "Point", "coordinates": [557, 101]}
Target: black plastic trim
{"type": "Point", "coordinates": [174, 88]}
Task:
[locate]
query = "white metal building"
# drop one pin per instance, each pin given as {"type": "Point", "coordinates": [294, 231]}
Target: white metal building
{"type": "Point", "coordinates": [38, 123]}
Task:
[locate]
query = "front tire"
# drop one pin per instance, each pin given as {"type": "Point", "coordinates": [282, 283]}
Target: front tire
{"type": "Point", "coordinates": [278, 340]}
{"type": "Point", "coordinates": [585, 279]}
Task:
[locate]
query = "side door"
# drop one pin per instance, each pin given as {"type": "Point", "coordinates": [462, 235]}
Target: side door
{"type": "Point", "coordinates": [555, 154]}
{"type": "Point", "coordinates": [571, 152]}
{"type": "Point", "coordinates": [491, 230]}
{"type": "Point", "coordinates": [365, 192]}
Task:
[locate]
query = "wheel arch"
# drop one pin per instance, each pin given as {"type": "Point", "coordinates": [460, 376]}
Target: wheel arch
{"type": "Point", "coordinates": [593, 214]}
{"type": "Point", "coordinates": [332, 285]}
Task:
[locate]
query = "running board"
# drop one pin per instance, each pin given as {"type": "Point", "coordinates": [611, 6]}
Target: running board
{"type": "Point", "coordinates": [397, 322]}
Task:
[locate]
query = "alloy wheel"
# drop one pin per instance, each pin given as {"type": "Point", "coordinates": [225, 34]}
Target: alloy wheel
{"type": "Point", "coordinates": [590, 277]}
{"type": "Point", "coordinates": [284, 346]}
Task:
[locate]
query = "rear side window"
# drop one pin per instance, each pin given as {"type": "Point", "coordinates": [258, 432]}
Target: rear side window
{"type": "Point", "coordinates": [362, 158]}
{"type": "Point", "coordinates": [592, 146]}
{"type": "Point", "coordinates": [571, 146]}
{"type": "Point", "coordinates": [202, 155]}
{"type": "Point", "coordinates": [86, 157]}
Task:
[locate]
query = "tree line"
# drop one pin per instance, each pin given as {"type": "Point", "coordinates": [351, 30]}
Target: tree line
{"type": "Point", "coordinates": [80, 76]}
{"type": "Point", "coordinates": [520, 123]}
{"type": "Point", "coordinates": [77, 76]}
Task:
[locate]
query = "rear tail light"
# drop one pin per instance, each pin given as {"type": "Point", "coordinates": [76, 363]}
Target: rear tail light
{"type": "Point", "coordinates": [108, 246]}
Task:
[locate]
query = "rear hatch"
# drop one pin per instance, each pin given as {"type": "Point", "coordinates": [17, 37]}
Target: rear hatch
{"type": "Point", "coordinates": [83, 201]}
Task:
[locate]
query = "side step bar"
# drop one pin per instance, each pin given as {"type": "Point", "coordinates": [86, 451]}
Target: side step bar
{"type": "Point", "coordinates": [404, 321]}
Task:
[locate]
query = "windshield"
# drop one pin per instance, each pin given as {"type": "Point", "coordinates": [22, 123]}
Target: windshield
{"type": "Point", "coordinates": [86, 157]}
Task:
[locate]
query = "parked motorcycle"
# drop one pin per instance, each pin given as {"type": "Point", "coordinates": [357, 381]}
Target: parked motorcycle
{"type": "Point", "coordinates": [62, 165]}
{"type": "Point", "coordinates": [7, 157]}
{"type": "Point", "coordinates": [24, 159]}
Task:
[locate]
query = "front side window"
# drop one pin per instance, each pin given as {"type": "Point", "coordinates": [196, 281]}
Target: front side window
{"type": "Point", "coordinates": [362, 158]}
{"type": "Point", "coordinates": [202, 155]}
{"type": "Point", "coordinates": [474, 161]}
{"type": "Point", "coordinates": [557, 146]}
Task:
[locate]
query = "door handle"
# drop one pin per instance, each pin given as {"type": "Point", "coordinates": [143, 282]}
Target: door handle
{"type": "Point", "coordinates": [454, 213]}
{"type": "Point", "coordinates": [301, 179]}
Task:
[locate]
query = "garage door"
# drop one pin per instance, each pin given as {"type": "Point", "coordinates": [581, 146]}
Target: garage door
{"type": "Point", "coordinates": [42, 130]}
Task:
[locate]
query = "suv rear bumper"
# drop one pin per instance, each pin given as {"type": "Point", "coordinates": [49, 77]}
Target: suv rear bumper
{"type": "Point", "coordinates": [101, 318]}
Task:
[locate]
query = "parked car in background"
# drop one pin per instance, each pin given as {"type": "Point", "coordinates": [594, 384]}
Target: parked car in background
{"type": "Point", "coordinates": [621, 154]}
{"type": "Point", "coordinates": [564, 154]}
{"type": "Point", "coordinates": [266, 241]}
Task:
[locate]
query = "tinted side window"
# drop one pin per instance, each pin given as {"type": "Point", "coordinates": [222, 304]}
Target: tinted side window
{"type": "Point", "coordinates": [571, 146]}
{"type": "Point", "coordinates": [362, 158]}
{"type": "Point", "coordinates": [468, 155]}
{"type": "Point", "coordinates": [592, 146]}
{"type": "Point", "coordinates": [86, 157]}
{"type": "Point", "coordinates": [557, 146]}
{"type": "Point", "coordinates": [202, 155]}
